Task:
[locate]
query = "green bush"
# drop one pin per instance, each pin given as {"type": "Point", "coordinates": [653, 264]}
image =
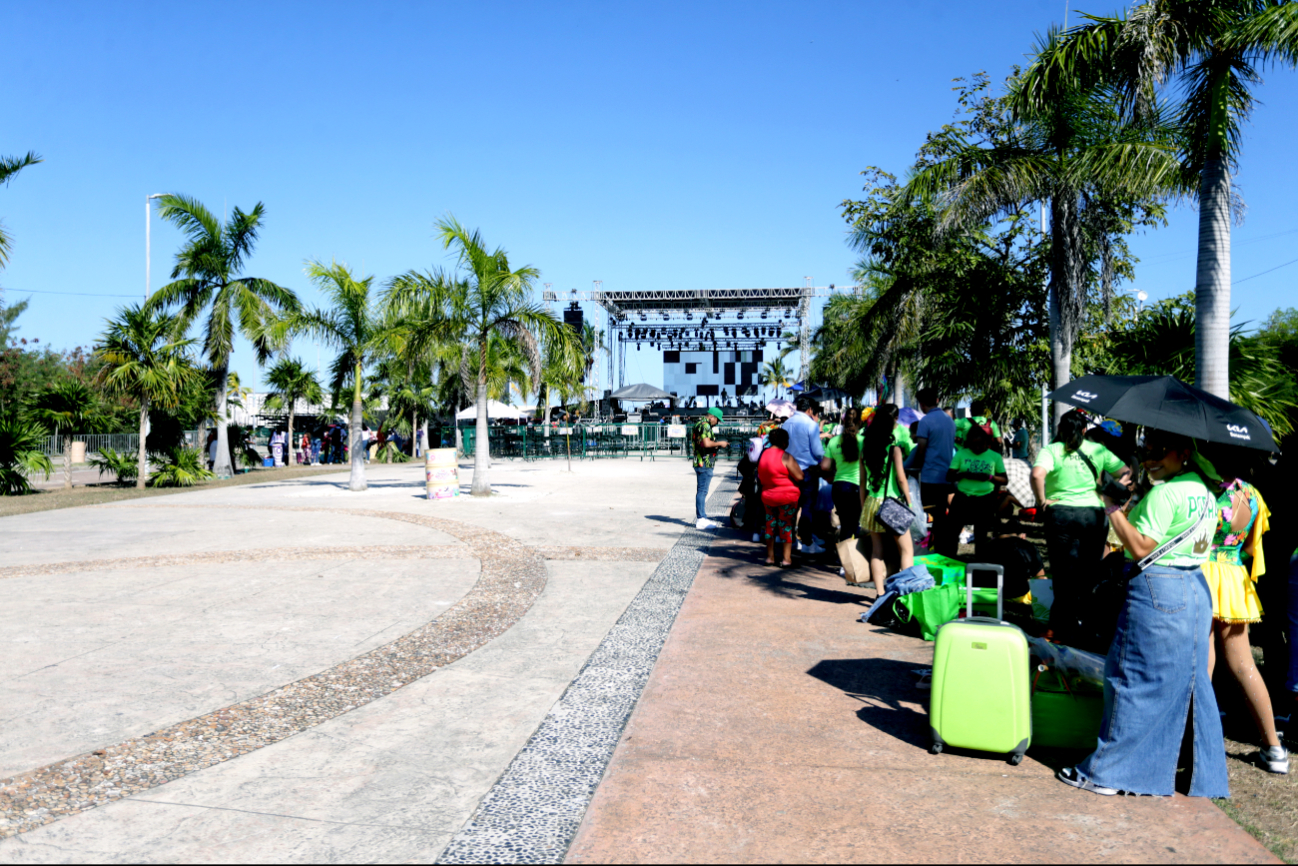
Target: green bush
{"type": "Point", "coordinates": [20, 453]}
{"type": "Point", "coordinates": [183, 467]}
{"type": "Point", "coordinates": [122, 464]}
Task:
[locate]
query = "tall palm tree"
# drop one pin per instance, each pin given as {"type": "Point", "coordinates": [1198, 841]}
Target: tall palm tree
{"type": "Point", "coordinates": [354, 325]}
{"type": "Point", "coordinates": [146, 357]}
{"type": "Point", "coordinates": [10, 166]}
{"type": "Point", "coordinates": [1074, 152]}
{"type": "Point", "coordinates": [208, 278]}
{"type": "Point", "coordinates": [68, 406]}
{"type": "Point", "coordinates": [488, 298]}
{"type": "Point", "coordinates": [775, 375]}
{"type": "Point", "coordinates": [291, 381]}
{"type": "Point", "coordinates": [1209, 50]}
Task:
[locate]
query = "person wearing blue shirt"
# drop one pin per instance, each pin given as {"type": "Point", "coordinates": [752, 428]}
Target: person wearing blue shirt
{"type": "Point", "coordinates": [806, 450]}
{"type": "Point", "coordinates": [934, 448]}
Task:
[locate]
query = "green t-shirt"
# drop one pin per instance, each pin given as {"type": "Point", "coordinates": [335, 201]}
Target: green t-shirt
{"type": "Point", "coordinates": [962, 426]}
{"type": "Point", "coordinates": [843, 470]}
{"type": "Point", "coordinates": [987, 462]}
{"type": "Point", "coordinates": [1171, 508]}
{"type": "Point", "coordinates": [889, 485]}
{"type": "Point", "coordinates": [902, 438]}
{"type": "Point", "coordinates": [1069, 481]}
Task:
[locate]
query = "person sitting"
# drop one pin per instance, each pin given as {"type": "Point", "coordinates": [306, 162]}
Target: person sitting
{"type": "Point", "coordinates": [780, 477]}
{"type": "Point", "coordinates": [1156, 673]}
{"type": "Point", "coordinates": [1242, 521]}
{"type": "Point", "coordinates": [1011, 550]}
{"type": "Point", "coordinates": [976, 470]}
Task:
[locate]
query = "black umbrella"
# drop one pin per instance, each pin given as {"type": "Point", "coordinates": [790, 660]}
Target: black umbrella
{"type": "Point", "coordinates": [1167, 403]}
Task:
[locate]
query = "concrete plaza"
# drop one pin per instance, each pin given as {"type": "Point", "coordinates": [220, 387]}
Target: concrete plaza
{"type": "Point", "coordinates": [290, 671]}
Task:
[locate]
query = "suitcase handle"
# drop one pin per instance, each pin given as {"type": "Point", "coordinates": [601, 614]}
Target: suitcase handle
{"type": "Point", "coordinates": [1000, 587]}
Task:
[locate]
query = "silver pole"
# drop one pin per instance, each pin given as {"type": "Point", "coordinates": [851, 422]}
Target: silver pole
{"type": "Point", "coordinates": [148, 284]}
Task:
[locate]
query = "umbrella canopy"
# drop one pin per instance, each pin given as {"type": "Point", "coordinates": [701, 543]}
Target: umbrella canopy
{"type": "Point", "coordinates": [642, 391]}
{"type": "Point", "coordinates": [908, 415]}
{"type": "Point", "coordinates": [780, 408]}
{"type": "Point", "coordinates": [1167, 403]}
{"type": "Point", "coordinates": [495, 409]}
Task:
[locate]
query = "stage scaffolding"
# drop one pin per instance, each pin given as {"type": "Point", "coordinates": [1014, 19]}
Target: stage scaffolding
{"type": "Point", "coordinates": [702, 320]}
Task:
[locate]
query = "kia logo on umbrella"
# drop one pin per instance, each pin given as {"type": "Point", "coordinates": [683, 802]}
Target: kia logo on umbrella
{"type": "Point", "coordinates": [1084, 396]}
{"type": "Point", "coordinates": [1237, 431]}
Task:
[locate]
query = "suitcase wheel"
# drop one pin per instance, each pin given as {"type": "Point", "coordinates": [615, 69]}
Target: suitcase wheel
{"type": "Point", "coordinates": [935, 749]}
{"type": "Point", "coordinates": [1015, 760]}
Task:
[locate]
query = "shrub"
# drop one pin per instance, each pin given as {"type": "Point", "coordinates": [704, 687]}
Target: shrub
{"type": "Point", "coordinates": [122, 464]}
{"type": "Point", "coordinates": [183, 467]}
{"type": "Point", "coordinates": [20, 453]}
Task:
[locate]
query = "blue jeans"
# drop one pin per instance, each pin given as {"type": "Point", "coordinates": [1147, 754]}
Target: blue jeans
{"type": "Point", "coordinates": [704, 474]}
{"type": "Point", "coordinates": [1293, 624]}
{"type": "Point", "coordinates": [1157, 673]}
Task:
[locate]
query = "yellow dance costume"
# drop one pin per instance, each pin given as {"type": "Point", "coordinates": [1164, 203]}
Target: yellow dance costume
{"type": "Point", "coordinates": [1233, 585]}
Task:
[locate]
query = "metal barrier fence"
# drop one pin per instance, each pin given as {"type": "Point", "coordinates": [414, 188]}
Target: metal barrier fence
{"type": "Point", "coordinates": [590, 441]}
{"type": "Point", "coordinates": [95, 442]}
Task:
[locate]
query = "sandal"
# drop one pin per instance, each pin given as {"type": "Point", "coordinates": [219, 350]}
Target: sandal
{"type": "Point", "coordinates": [1070, 776]}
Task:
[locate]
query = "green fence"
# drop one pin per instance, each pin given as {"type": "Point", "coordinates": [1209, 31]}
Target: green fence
{"type": "Point", "coordinates": [591, 441]}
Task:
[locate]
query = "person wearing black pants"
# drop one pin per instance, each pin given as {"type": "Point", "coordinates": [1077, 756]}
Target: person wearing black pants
{"type": "Point", "coordinates": [1065, 480]}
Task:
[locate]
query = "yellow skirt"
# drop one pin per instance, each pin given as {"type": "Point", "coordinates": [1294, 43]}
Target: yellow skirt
{"type": "Point", "coordinates": [870, 515]}
{"type": "Point", "coordinates": [1234, 595]}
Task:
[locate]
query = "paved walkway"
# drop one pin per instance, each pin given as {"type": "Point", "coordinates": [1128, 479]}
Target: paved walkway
{"type": "Point", "coordinates": [290, 671]}
{"type": "Point", "coordinates": [776, 728]}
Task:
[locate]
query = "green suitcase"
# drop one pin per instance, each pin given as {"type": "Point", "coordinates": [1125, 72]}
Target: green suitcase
{"type": "Point", "coordinates": [981, 694]}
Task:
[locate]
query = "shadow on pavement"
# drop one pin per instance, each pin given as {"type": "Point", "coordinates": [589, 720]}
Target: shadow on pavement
{"type": "Point", "coordinates": [881, 685]}
{"type": "Point", "coordinates": [746, 560]}
{"type": "Point", "coordinates": [663, 518]}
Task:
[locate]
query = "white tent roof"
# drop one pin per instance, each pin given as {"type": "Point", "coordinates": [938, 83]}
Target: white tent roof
{"type": "Point", "coordinates": [495, 409]}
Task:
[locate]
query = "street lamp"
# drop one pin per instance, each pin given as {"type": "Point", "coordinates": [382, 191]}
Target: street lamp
{"type": "Point", "coordinates": [147, 285]}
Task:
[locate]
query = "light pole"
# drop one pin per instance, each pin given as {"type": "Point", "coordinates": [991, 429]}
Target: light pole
{"type": "Point", "coordinates": [147, 285]}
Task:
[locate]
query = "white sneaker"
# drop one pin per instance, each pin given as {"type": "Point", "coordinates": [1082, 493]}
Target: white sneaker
{"type": "Point", "coordinates": [1274, 759]}
{"type": "Point", "coordinates": [757, 538]}
{"type": "Point", "coordinates": [704, 523]}
{"type": "Point", "coordinates": [814, 548]}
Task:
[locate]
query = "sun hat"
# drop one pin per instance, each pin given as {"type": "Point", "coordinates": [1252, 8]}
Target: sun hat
{"type": "Point", "coordinates": [716, 413]}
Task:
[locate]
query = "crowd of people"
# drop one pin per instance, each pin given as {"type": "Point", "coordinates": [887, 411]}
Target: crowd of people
{"type": "Point", "coordinates": [1155, 548]}
{"type": "Point", "coordinates": [326, 446]}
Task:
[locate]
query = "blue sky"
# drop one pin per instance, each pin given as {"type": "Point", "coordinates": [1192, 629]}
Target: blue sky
{"type": "Point", "coordinates": [663, 145]}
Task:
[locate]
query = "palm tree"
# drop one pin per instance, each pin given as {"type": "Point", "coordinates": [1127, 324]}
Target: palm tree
{"type": "Point", "coordinates": [68, 406]}
{"type": "Point", "coordinates": [491, 300]}
{"type": "Point", "coordinates": [1210, 52]}
{"type": "Point", "coordinates": [776, 375]}
{"type": "Point", "coordinates": [10, 166]}
{"type": "Point", "coordinates": [208, 277]}
{"type": "Point", "coordinates": [1073, 151]}
{"type": "Point", "coordinates": [354, 325]}
{"type": "Point", "coordinates": [145, 357]}
{"type": "Point", "coordinates": [290, 381]}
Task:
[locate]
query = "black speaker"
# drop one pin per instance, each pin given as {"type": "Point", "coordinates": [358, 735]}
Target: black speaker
{"type": "Point", "coordinates": [572, 317]}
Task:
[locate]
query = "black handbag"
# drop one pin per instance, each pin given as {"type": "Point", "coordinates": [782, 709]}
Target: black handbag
{"type": "Point", "coordinates": [896, 515]}
{"type": "Point", "coordinates": [1117, 492]}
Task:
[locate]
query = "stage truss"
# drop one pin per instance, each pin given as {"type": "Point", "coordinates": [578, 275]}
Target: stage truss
{"type": "Point", "coordinates": [702, 319]}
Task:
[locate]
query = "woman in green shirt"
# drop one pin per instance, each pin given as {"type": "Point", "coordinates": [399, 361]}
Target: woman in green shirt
{"type": "Point", "coordinates": [1064, 479]}
{"type": "Point", "coordinates": [883, 477]}
{"type": "Point", "coordinates": [843, 457]}
{"type": "Point", "coordinates": [1156, 673]}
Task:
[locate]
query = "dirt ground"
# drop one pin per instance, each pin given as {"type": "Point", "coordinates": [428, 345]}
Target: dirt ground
{"type": "Point", "coordinates": [97, 494]}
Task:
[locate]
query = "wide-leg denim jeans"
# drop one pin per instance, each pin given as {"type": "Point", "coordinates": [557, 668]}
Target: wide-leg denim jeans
{"type": "Point", "coordinates": [1157, 673]}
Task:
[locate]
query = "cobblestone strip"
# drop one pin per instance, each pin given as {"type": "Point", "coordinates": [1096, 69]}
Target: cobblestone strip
{"type": "Point", "coordinates": [534, 810]}
{"type": "Point", "coordinates": [512, 576]}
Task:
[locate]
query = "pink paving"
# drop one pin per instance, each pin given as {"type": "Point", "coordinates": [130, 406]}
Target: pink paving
{"type": "Point", "coordinates": [777, 728]}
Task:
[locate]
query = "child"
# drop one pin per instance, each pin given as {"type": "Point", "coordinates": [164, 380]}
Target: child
{"type": "Point", "coordinates": [976, 470]}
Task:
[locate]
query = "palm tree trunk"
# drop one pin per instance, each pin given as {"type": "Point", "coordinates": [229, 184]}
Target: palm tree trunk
{"type": "Point", "coordinates": [222, 467]}
{"type": "Point", "coordinates": [1212, 282]}
{"type": "Point", "coordinates": [141, 460]}
{"type": "Point", "coordinates": [357, 481]}
{"type": "Point", "coordinates": [481, 446]}
{"type": "Point", "coordinates": [1067, 289]}
{"type": "Point", "coordinates": [292, 443]}
{"type": "Point", "coordinates": [414, 432]}
{"type": "Point", "coordinates": [67, 461]}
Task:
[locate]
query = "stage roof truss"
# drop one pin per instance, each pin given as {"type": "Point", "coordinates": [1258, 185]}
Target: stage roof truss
{"type": "Point", "coordinates": [720, 302]}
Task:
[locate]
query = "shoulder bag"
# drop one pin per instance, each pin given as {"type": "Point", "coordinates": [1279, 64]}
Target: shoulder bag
{"type": "Point", "coordinates": [1114, 490]}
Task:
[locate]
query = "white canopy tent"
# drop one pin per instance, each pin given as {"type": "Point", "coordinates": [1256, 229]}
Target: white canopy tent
{"type": "Point", "coordinates": [495, 409]}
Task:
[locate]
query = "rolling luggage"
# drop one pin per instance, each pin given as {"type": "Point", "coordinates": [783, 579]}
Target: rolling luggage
{"type": "Point", "coordinates": [981, 696]}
